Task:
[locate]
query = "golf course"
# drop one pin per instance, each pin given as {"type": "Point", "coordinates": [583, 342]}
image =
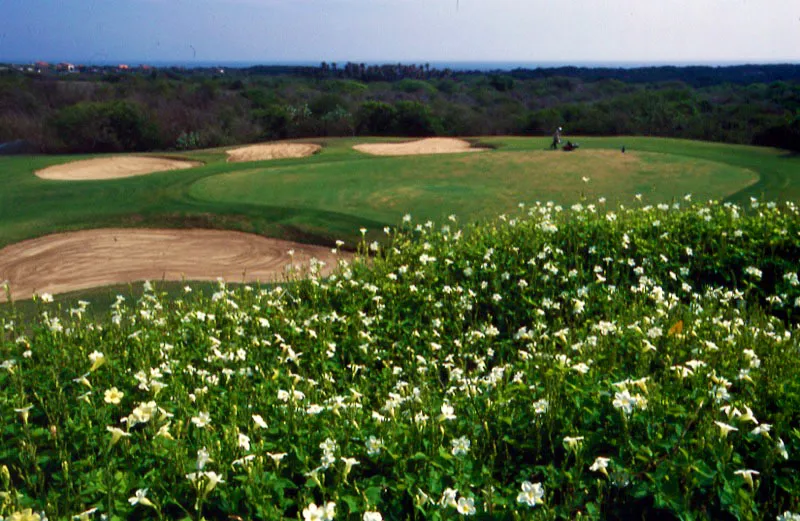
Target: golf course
{"type": "Point", "coordinates": [315, 193]}
{"type": "Point", "coordinates": [273, 260]}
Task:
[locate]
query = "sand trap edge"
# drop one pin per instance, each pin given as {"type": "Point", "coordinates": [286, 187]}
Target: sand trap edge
{"type": "Point", "coordinates": [78, 171]}
{"type": "Point", "coordinates": [310, 149]}
{"type": "Point", "coordinates": [82, 260]}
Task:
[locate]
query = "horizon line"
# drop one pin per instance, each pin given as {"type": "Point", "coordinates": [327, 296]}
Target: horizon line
{"type": "Point", "coordinates": [507, 64]}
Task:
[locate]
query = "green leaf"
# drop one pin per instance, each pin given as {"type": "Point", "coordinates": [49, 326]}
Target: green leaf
{"type": "Point", "coordinates": [373, 494]}
{"type": "Point", "coordinates": [352, 503]}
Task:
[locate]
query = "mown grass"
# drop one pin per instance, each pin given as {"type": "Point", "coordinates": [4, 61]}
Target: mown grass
{"type": "Point", "coordinates": [477, 185]}
{"type": "Point", "coordinates": [553, 363]}
{"type": "Point", "coordinates": [489, 182]}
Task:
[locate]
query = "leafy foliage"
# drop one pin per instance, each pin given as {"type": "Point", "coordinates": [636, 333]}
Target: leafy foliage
{"type": "Point", "coordinates": [746, 105]}
{"type": "Point", "coordinates": [612, 364]}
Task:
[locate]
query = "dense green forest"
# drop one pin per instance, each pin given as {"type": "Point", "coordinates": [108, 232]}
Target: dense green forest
{"type": "Point", "coordinates": [107, 110]}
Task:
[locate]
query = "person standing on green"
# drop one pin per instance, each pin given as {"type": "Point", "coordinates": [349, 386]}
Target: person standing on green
{"type": "Point", "coordinates": [556, 139]}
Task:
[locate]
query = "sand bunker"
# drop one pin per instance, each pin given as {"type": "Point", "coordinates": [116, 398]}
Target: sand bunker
{"type": "Point", "coordinates": [71, 261]}
{"type": "Point", "coordinates": [437, 145]}
{"type": "Point", "coordinates": [115, 167]}
{"type": "Point", "coordinates": [267, 151]}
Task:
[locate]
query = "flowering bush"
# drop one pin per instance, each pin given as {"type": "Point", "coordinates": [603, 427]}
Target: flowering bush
{"type": "Point", "coordinates": [551, 364]}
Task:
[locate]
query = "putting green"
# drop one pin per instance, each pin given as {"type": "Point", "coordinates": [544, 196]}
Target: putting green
{"type": "Point", "coordinates": [474, 185]}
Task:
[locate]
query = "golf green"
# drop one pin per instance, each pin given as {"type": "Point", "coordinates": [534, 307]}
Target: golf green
{"type": "Point", "coordinates": [476, 185]}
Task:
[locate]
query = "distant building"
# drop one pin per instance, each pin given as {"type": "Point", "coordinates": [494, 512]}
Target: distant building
{"type": "Point", "coordinates": [123, 67]}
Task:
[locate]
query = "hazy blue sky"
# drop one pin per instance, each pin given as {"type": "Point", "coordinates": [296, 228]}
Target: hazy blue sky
{"type": "Point", "coordinates": [401, 30]}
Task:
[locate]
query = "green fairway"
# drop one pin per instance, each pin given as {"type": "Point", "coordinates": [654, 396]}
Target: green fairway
{"type": "Point", "coordinates": [476, 185]}
{"type": "Point", "coordinates": [334, 193]}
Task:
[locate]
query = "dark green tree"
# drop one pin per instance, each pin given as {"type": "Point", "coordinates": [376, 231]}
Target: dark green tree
{"type": "Point", "coordinates": [375, 118]}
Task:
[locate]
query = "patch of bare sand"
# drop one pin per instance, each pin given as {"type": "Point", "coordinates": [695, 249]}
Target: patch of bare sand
{"type": "Point", "coordinates": [268, 151]}
{"type": "Point", "coordinates": [436, 145]}
{"type": "Point", "coordinates": [115, 167]}
{"type": "Point", "coordinates": [86, 259]}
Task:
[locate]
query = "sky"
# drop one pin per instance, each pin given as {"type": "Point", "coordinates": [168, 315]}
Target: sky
{"type": "Point", "coordinates": [268, 31]}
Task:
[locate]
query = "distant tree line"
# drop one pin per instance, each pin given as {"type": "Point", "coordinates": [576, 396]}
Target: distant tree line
{"type": "Point", "coordinates": [169, 110]}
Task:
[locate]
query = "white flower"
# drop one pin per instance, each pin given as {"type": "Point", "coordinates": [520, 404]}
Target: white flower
{"type": "Point", "coordinates": [163, 432]}
{"type": "Point", "coordinates": [97, 358]}
{"type": "Point", "coordinates": [540, 406]}
{"type": "Point", "coordinates": [782, 449]}
{"type": "Point", "coordinates": [313, 513]}
{"type": "Point", "coordinates": [209, 480]}
{"type": "Point", "coordinates": [573, 443]}
{"type": "Point", "coordinates": [448, 498]}
{"type": "Point", "coordinates": [581, 368]}
{"type": "Point", "coordinates": [372, 516]}
{"type": "Point", "coordinates": [460, 446]}
{"type": "Point", "coordinates": [142, 413]}
{"type": "Point", "coordinates": [623, 400]}
{"type": "Point", "coordinates": [753, 272]}
{"type": "Point", "coordinates": [532, 494]}
{"type": "Point", "coordinates": [243, 460]}
{"type": "Point", "coordinates": [328, 446]}
{"type": "Point", "coordinates": [447, 412]}
{"type": "Point", "coordinates": [201, 420]}
{"type": "Point", "coordinates": [244, 441]}
{"type": "Point", "coordinates": [747, 475]}
{"type": "Point", "coordinates": [140, 497]}
{"type": "Point", "coordinates": [747, 415]}
{"type": "Point", "coordinates": [725, 428]}
{"type": "Point", "coordinates": [314, 409]}
{"type": "Point", "coordinates": [116, 434]}
{"type": "Point", "coordinates": [24, 412]}
{"type": "Point", "coordinates": [349, 463]}
{"type": "Point", "coordinates": [600, 465]}
{"type": "Point", "coordinates": [202, 458]}
{"type": "Point", "coordinates": [259, 421]}
{"type": "Point", "coordinates": [276, 458]}
{"type": "Point", "coordinates": [324, 513]}
{"type": "Point", "coordinates": [374, 445]}
{"type": "Point", "coordinates": [465, 506]}
{"type": "Point", "coordinates": [113, 396]}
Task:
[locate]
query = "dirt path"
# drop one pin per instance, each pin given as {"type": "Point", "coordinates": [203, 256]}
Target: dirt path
{"type": "Point", "coordinates": [115, 167]}
{"type": "Point", "coordinates": [267, 151]}
{"type": "Point", "coordinates": [437, 145]}
{"type": "Point", "coordinates": [79, 260]}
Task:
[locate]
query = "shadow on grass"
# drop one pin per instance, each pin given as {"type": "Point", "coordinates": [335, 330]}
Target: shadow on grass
{"type": "Point", "coordinates": [100, 299]}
